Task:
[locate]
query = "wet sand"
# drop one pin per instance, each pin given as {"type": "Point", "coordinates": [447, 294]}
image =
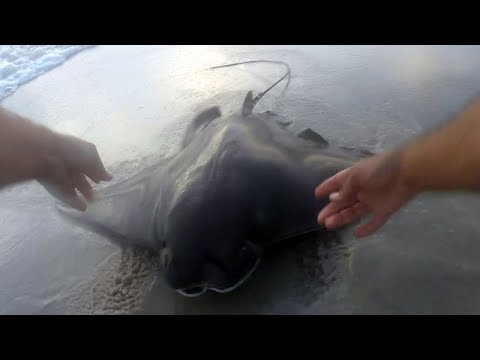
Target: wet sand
{"type": "Point", "coordinates": [134, 103]}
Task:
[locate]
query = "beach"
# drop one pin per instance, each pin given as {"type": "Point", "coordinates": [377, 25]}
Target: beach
{"type": "Point", "coordinates": [134, 103]}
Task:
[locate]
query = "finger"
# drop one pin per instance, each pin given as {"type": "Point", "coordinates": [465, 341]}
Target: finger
{"type": "Point", "coordinates": [360, 208]}
{"type": "Point", "coordinates": [347, 193]}
{"type": "Point", "coordinates": [60, 184]}
{"type": "Point", "coordinates": [334, 221]}
{"type": "Point", "coordinates": [332, 208]}
{"type": "Point", "coordinates": [74, 201]}
{"type": "Point", "coordinates": [346, 216]}
{"type": "Point", "coordinates": [98, 175]}
{"type": "Point", "coordinates": [335, 196]}
{"type": "Point", "coordinates": [64, 193]}
{"type": "Point", "coordinates": [352, 213]}
{"type": "Point", "coordinates": [332, 184]}
{"type": "Point", "coordinates": [82, 184]}
{"type": "Point", "coordinates": [96, 170]}
{"type": "Point", "coordinates": [67, 194]}
{"type": "Point", "coordinates": [372, 226]}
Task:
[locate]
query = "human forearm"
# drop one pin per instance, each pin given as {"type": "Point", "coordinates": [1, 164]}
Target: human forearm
{"type": "Point", "coordinates": [59, 162]}
{"type": "Point", "coordinates": [448, 159]}
{"type": "Point", "coordinates": [24, 148]}
{"type": "Point", "coordinates": [19, 133]}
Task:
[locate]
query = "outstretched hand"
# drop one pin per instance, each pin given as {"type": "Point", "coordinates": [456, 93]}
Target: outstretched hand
{"type": "Point", "coordinates": [68, 168]}
{"type": "Point", "coordinates": [372, 185]}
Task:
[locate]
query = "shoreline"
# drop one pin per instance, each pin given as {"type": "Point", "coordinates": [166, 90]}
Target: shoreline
{"type": "Point", "coordinates": [33, 78]}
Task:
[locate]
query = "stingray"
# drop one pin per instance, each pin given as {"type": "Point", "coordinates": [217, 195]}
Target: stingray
{"type": "Point", "coordinates": [239, 184]}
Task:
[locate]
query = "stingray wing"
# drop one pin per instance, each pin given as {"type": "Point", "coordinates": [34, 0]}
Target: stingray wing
{"type": "Point", "coordinates": [123, 212]}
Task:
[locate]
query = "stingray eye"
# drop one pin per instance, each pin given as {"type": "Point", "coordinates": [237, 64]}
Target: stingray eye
{"type": "Point", "coordinates": [194, 291]}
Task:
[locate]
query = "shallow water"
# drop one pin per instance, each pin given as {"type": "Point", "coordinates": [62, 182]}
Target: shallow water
{"type": "Point", "coordinates": [134, 103]}
{"type": "Point", "coordinates": [19, 64]}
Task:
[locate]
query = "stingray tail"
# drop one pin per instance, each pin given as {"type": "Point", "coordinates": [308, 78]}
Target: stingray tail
{"type": "Point", "coordinates": [259, 96]}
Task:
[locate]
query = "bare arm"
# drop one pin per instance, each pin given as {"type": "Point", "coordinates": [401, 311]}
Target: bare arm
{"type": "Point", "coordinates": [447, 159]}
{"type": "Point", "coordinates": [59, 162]}
{"type": "Point", "coordinates": [23, 146]}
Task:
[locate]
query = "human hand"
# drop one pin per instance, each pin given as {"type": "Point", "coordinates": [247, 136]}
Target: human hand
{"type": "Point", "coordinates": [372, 185]}
{"type": "Point", "coordinates": [67, 169]}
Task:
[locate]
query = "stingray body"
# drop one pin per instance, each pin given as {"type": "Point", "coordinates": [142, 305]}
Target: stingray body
{"type": "Point", "coordinates": [239, 183]}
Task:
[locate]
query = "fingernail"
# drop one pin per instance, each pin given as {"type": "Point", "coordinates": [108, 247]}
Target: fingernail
{"type": "Point", "coordinates": [320, 218]}
{"type": "Point", "coordinates": [334, 196]}
{"type": "Point", "coordinates": [328, 223]}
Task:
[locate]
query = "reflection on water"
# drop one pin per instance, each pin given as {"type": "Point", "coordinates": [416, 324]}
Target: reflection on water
{"type": "Point", "coordinates": [134, 104]}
